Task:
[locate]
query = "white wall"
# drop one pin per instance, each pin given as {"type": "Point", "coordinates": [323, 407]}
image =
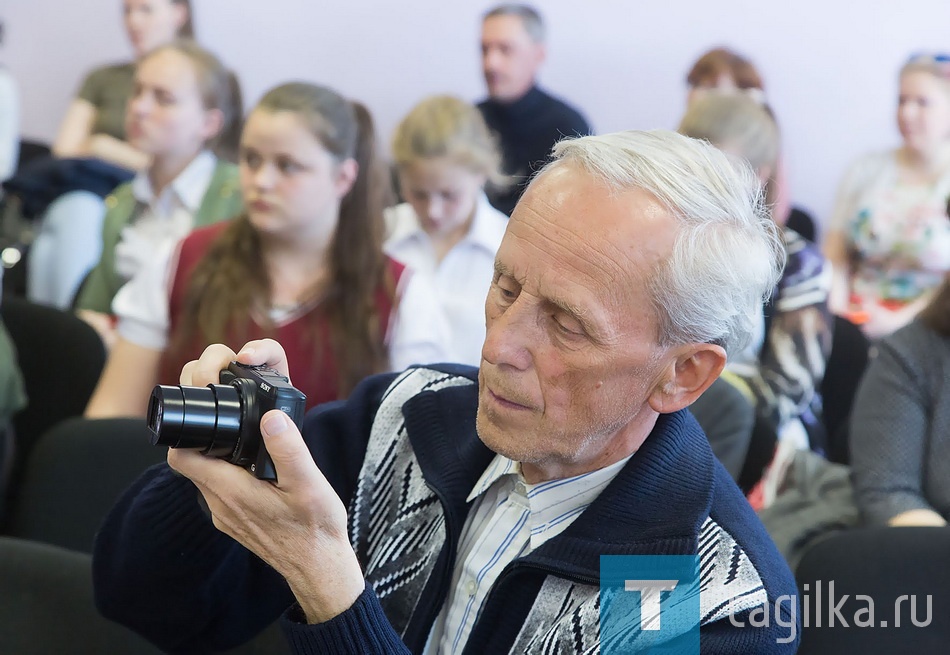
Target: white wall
{"type": "Point", "coordinates": [829, 65]}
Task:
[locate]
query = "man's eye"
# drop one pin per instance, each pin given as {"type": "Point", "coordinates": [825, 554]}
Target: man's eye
{"type": "Point", "coordinates": [569, 328]}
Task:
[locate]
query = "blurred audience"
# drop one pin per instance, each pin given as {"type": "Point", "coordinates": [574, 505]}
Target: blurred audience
{"type": "Point", "coordinates": [97, 154]}
{"type": "Point", "coordinates": [447, 229]}
{"type": "Point", "coordinates": [888, 237]}
{"type": "Point", "coordinates": [304, 264]}
{"type": "Point", "coordinates": [527, 120]}
{"type": "Point", "coordinates": [900, 425]}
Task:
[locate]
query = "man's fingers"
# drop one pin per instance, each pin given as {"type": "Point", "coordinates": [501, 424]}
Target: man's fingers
{"type": "Point", "coordinates": [188, 373]}
{"type": "Point", "coordinates": [265, 352]}
{"type": "Point", "coordinates": [208, 367]}
{"type": "Point", "coordinates": [197, 467]}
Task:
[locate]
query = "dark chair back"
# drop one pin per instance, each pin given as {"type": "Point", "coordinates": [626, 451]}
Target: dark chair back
{"type": "Point", "coordinates": [61, 358]}
{"type": "Point", "coordinates": [46, 605]}
{"type": "Point", "coordinates": [74, 475]}
{"type": "Point", "coordinates": [893, 570]}
{"type": "Point", "coordinates": [72, 479]}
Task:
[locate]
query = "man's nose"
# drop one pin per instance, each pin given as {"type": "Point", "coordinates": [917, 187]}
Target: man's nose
{"type": "Point", "coordinates": [491, 58]}
{"type": "Point", "coordinates": [512, 336]}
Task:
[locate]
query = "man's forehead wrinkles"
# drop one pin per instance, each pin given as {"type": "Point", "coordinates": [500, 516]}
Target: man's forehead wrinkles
{"type": "Point", "coordinates": [555, 239]}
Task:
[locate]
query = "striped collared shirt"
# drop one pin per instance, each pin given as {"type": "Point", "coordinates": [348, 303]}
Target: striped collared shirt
{"type": "Point", "coordinates": [510, 518]}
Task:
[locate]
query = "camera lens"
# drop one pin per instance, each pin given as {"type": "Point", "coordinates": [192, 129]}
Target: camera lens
{"type": "Point", "coordinates": [208, 418]}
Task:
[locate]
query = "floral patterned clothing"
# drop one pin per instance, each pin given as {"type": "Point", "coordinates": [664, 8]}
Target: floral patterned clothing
{"type": "Point", "coordinates": [898, 233]}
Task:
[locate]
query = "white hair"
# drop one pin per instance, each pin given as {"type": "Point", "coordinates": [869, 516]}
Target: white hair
{"type": "Point", "coordinates": [728, 255]}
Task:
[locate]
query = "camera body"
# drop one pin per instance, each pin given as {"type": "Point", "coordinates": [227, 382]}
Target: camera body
{"type": "Point", "coordinates": [224, 420]}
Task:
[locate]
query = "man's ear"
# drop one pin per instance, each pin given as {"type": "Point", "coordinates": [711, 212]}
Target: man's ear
{"type": "Point", "coordinates": [693, 369]}
{"type": "Point", "coordinates": [541, 55]}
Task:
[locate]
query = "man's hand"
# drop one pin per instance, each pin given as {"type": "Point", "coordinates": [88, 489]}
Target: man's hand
{"type": "Point", "coordinates": [297, 525]}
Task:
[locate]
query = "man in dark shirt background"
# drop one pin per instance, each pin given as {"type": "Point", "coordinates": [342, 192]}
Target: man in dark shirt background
{"type": "Point", "coordinates": [527, 120]}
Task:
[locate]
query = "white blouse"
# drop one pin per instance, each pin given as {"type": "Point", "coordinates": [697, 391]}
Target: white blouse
{"type": "Point", "coordinates": [461, 280]}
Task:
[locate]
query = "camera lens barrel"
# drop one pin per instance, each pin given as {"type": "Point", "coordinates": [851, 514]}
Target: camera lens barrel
{"type": "Point", "coordinates": [208, 418]}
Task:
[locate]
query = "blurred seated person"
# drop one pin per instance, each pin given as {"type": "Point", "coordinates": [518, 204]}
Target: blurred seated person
{"type": "Point", "coordinates": [900, 423]}
{"type": "Point", "coordinates": [304, 264]}
{"type": "Point", "coordinates": [96, 153]}
{"type": "Point", "coordinates": [447, 229]}
{"type": "Point", "coordinates": [889, 237]}
{"type": "Point", "coordinates": [180, 106]}
{"type": "Point", "coordinates": [527, 120]}
{"type": "Point", "coordinates": [95, 125]}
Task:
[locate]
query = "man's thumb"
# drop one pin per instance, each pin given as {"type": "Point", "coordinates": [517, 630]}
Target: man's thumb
{"type": "Point", "coordinates": [284, 445]}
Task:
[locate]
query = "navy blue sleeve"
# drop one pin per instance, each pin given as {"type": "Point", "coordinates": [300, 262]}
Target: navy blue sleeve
{"type": "Point", "coordinates": [161, 568]}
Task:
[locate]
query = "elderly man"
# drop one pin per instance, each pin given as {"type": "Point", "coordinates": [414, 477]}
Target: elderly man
{"type": "Point", "coordinates": [527, 120]}
{"type": "Point", "coordinates": [450, 510]}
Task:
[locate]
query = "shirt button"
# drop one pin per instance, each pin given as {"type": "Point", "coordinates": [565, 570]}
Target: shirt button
{"type": "Point", "coordinates": [471, 587]}
{"type": "Point", "coordinates": [520, 489]}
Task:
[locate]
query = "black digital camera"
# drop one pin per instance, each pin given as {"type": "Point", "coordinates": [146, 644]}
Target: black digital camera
{"type": "Point", "coordinates": [224, 420]}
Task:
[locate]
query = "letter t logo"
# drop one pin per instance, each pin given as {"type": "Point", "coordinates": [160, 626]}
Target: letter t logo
{"type": "Point", "coordinates": [650, 599]}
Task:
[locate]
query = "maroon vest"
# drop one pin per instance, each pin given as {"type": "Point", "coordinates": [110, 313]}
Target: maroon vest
{"type": "Point", "coordinates": [305, 338]}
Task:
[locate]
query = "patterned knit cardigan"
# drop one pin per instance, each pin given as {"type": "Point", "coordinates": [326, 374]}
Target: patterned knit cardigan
{"type": "Point", "coordinates": [403, 454]}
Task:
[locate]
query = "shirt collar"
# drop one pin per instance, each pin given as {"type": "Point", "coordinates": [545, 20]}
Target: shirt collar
{"type": "Point", "coordinates": [552, 504]}
{"type": "Point", "coordinates": [484, 232]}
{"type": "Point", "coordinates": [189, 186]}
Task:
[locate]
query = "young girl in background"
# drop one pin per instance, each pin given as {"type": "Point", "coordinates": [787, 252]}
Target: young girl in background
{"type": "Point", "coordinates": [446, 229]}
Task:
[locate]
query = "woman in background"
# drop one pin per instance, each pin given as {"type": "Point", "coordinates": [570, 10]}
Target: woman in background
{"type": "Point", "coordinates": [179, 106]}
{"type": "Point", "coordinates": [900, 424]}
{"type": "Point", "coordinates": [446, 229]}
{"type": "Point", "coordinates": [304, 264]}
{"type": "Point", "coordinates": [888, 237]}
